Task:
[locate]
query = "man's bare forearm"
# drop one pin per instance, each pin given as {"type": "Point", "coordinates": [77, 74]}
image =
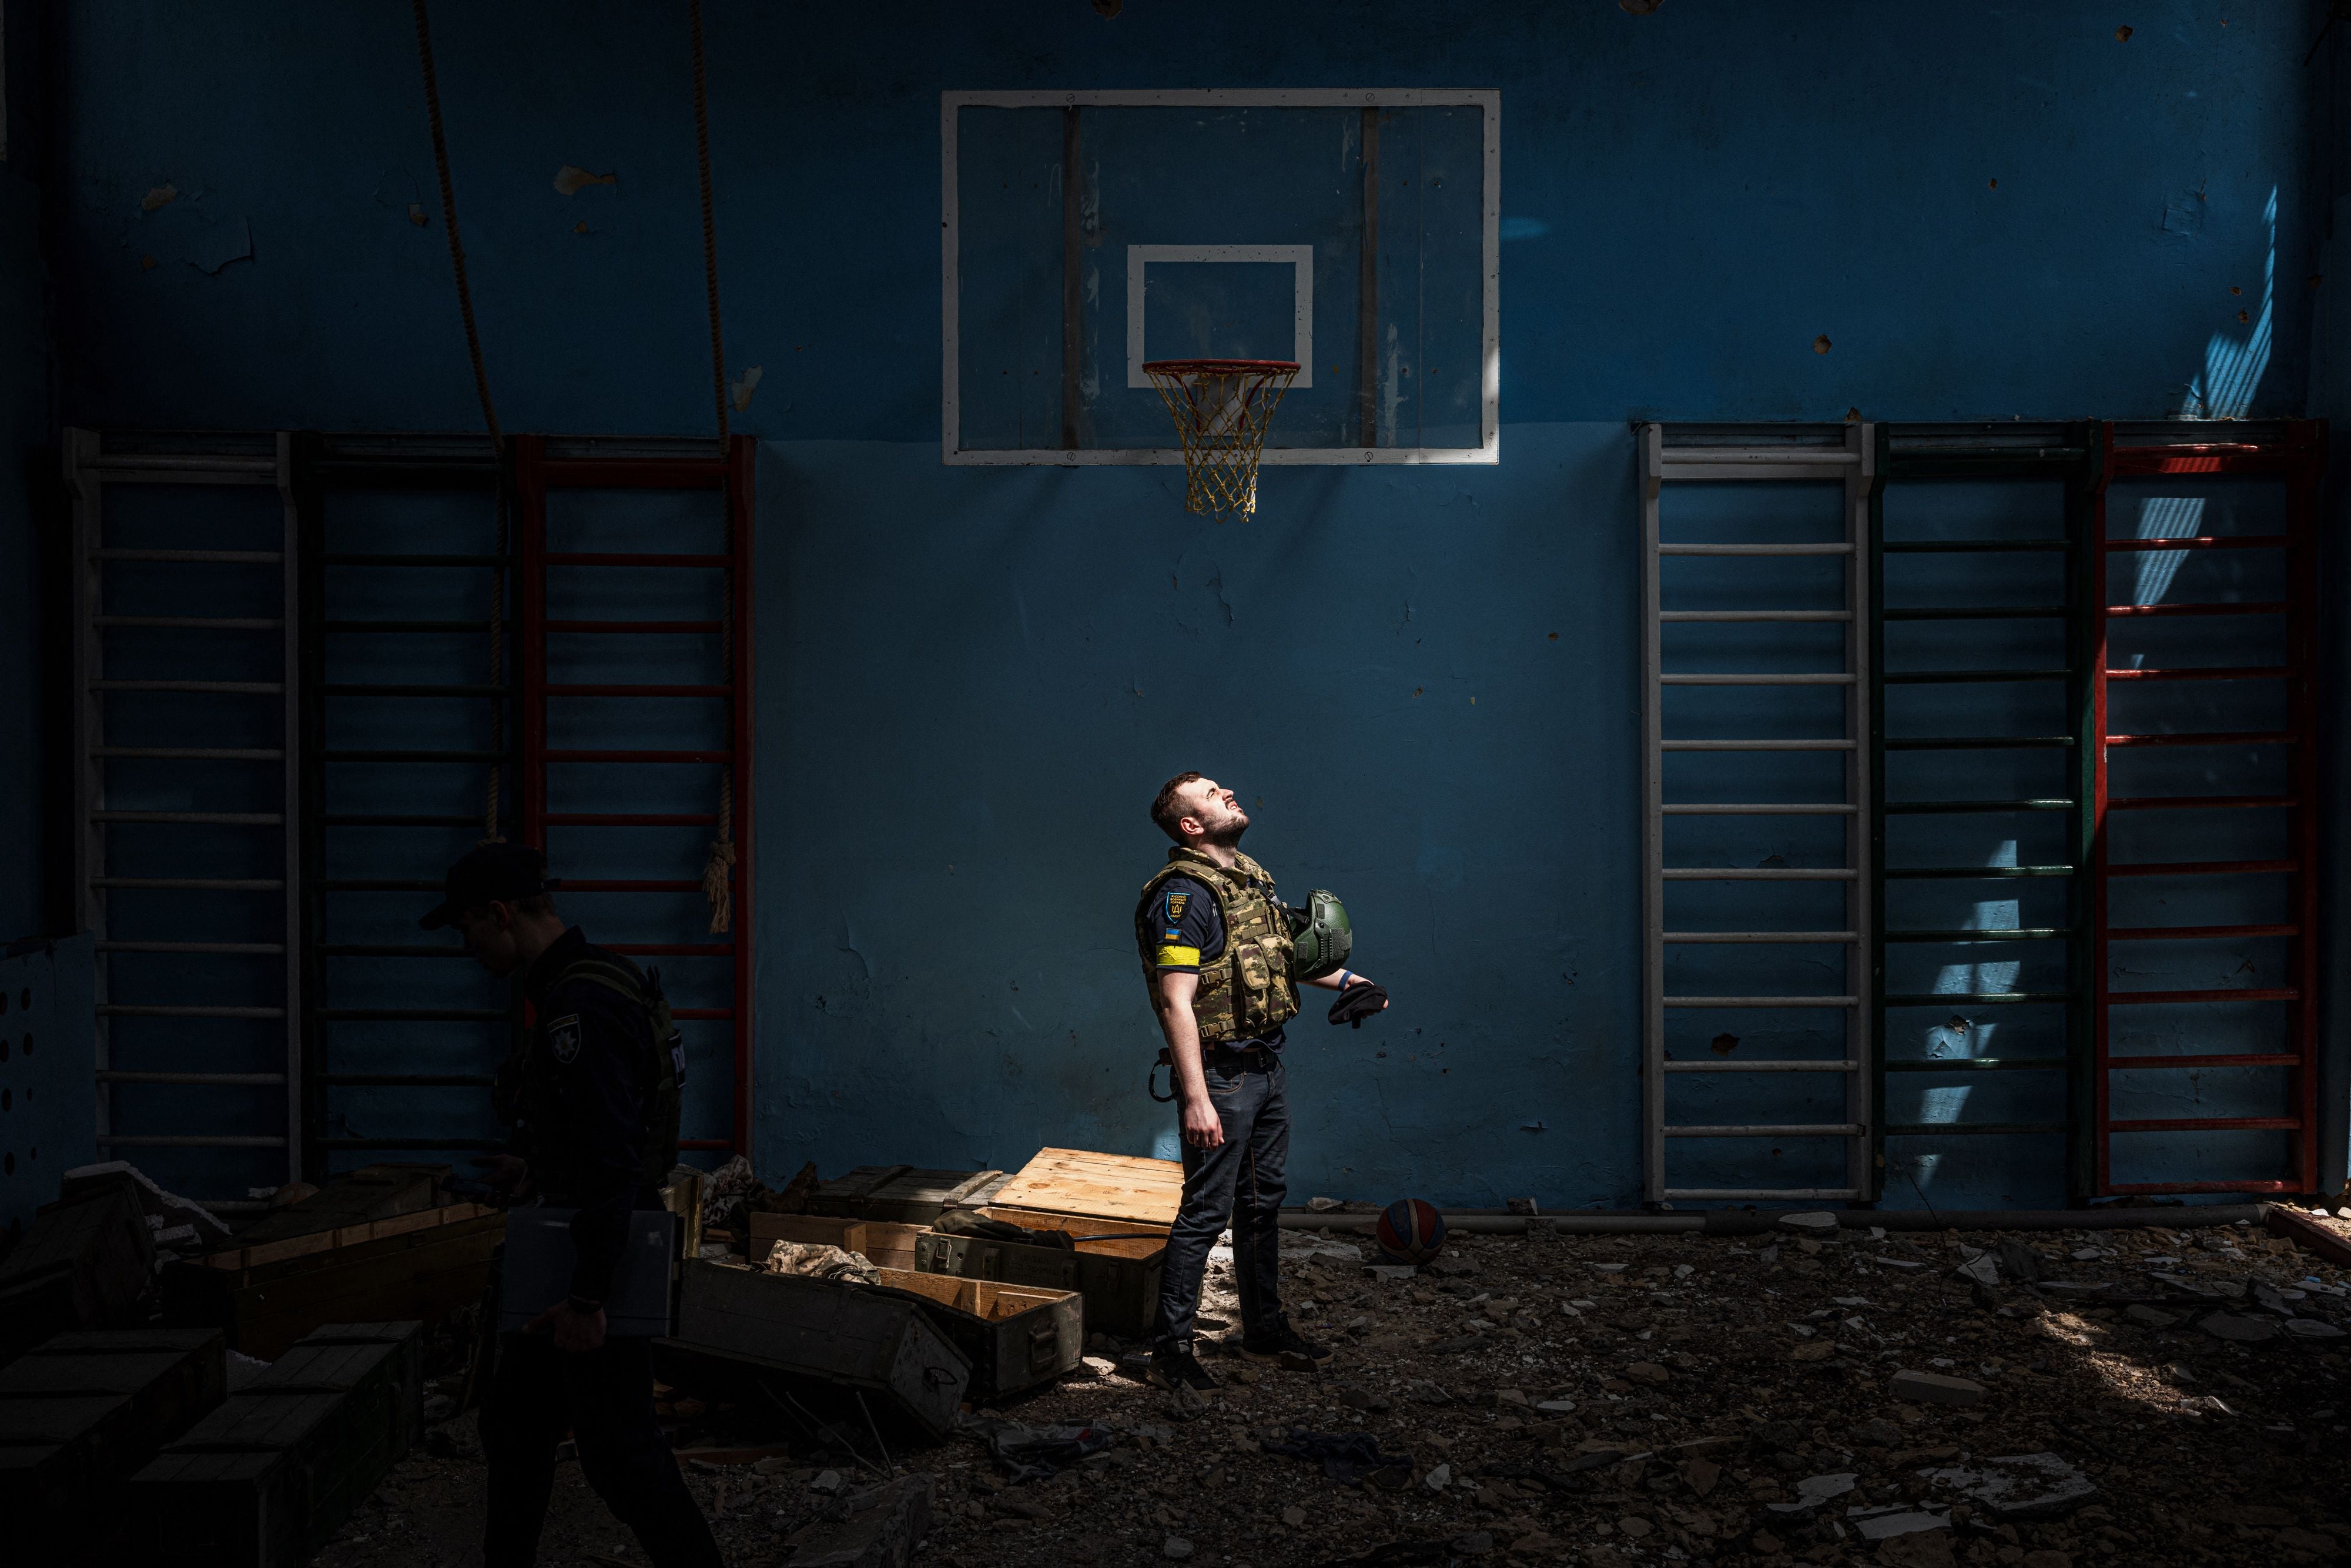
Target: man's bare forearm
{"type": "Point", "coordinates": [1173, 1001]}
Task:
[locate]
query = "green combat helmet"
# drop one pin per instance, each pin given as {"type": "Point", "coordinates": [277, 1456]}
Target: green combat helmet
{"type": "Point", "coordinates": [1321, 936]}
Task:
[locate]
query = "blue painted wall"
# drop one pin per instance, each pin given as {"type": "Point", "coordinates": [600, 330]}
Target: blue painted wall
{"type": "Point", "coordinates": [971, 681]}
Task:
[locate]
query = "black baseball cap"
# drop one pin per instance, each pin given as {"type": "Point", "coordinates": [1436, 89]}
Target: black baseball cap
{"type": "Point", "coordinates": [495, 873]}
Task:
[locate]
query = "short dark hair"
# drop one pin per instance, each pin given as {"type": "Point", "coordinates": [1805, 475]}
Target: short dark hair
{"type": "Point", "coordinates": [1165, 811]}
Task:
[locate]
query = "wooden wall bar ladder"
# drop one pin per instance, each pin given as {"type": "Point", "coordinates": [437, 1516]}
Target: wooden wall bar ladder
{"type": "Point", "coordinates": [381, 607]}
{"type": "Point", "coordinates": [2293, 451]}
{"type": "Point", "coordinates": [1771, 454]}
{"type": "Point", "coordinates": [574, 608]}
{"type": "Point", "coordinates": [2069, 455]}
{"type": "Point", "coordinates": [184, 896]}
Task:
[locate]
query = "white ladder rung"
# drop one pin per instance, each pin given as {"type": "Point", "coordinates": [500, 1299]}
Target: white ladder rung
{"type": "Point", "coordinates": [1793, 1129]}
{"type": "Point", "coordinates": [1762, 1066]}
{"type": "Point", "coordinates": [253, 947]}
{"type": "Point", "coordinates": [1761, 1002]}
{"type": "Point", "coordinates": [1787, 680]}
{"type": "Point", "coordinates": [189, 1141]}
{"type": "Point", "coordinates": [1764, 809]}
{"type": "Point", "coordinates": [1795, 936]}
{"type": "Point", "coordinates": [213, 556]}
{"type": "Point", "coordinates": [184, 1011]}
{"type": "Point", "coordinates": [182, 465]}
{"type": "Point", "coordinates": [257, 1080]}
{"type": "Point", "coordinates": [194, 753]}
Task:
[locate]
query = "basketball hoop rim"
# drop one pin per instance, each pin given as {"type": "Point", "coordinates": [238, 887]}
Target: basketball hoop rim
{"type": "Point", "coordinates": [1219, 367]}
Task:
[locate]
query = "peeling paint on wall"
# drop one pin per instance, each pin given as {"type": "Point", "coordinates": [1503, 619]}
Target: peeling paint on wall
{"type": "Point", "coordinates": [158, 196]}
{"type": "Point", "coordinates": [216, 246]}
{"type": "Point", "coordinates": [739, 391]}
{"type": "Point", "coordinates": [571, 179]}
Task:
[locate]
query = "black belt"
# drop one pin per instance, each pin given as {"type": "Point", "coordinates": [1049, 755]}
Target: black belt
{"type": "Point", "coordinates": [1225, 1048]}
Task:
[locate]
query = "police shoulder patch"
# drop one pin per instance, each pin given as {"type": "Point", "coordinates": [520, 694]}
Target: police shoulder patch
{"type": "Point", "coordinates": [563, 1038]}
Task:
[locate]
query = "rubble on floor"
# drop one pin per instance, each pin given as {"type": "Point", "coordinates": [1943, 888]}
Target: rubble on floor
{"type": "Point", "coordinates": [1610, 1401]}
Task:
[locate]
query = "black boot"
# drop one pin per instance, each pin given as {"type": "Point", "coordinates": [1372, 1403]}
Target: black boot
{"type": "Point", "coordinates": [1285, 1345]}
{"type": "Point", "coordinates": [1175, 1366]}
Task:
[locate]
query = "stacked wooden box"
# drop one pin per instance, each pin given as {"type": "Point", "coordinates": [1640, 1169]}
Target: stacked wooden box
{"type": "Point", "coordinates": [84, 1263]}
{"type": "Point", "coordinates": [884, 1245]}
{"type": "Point", "coordinates": [1014, 1337]}
{"type": "Point", "coordinates": [1117, 1207]}
{"type": "Point", "coordinates": [378, 1244]}
{"type": "Point", "coordinates": [838, 1345]}
{"type": "Point", "coordinates": [78, 1414]}
{"type": "Point", "coordinates": [265, 1480]}
{"type": "Point", "coordinates": [897, 1195]}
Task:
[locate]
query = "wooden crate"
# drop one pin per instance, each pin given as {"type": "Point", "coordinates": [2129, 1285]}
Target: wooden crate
{"type": "Point", "coordinates": [378, 1369]}
{"type": "Point", "coordinates": [682, 1195]}
{"type": "Point", "coordinates": [173, 1377]}
{"type": "Point", "coordinates": [1116, 1270]}
{"type": "Point", "coordinates": [369, 1193]}
{"type": "Point", "coordinates": [84, 1262]}
{"type": "Point", "coordinates": [265, 1480]}
{"type": "Point", "coordinates": [884, 1246]}
{"type": "Point", "coordinates": [828, 1332]}
{"type": "Point", "coordinates": [57, 1458]}
{"type": "Point", "coordinates": [426, 1266]}
{"type": "Point", "coordinates": [1016, 1337]}
{"type": "Point", "coordinates": [1097, 1187]}
{"type": "Point", "coordinates": [898, 1194]}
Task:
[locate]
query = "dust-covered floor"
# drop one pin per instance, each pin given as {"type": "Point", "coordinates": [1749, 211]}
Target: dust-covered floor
{"type": "Point", "coordinates": [1617, 1400]}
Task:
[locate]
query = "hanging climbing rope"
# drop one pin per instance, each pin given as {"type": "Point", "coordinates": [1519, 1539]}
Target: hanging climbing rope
{"type": "Point", "coordinates": [718, 874]}
{"type": "Point", "coordinates": [489, 412]}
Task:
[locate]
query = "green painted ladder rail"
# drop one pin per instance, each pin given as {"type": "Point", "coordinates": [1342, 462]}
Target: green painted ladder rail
{"type": "Point", "coordinates": [1908, 455]}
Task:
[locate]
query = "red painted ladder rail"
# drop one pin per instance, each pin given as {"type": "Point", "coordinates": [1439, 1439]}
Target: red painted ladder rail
{"type": "Point", "coordinates": [2296, 454]}
{"type": "Point", "coordinates": [543, 465]}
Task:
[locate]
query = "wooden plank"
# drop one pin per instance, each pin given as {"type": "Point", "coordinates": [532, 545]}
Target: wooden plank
{"type": "Point", "coordinates": [919, 1197]}
{"type": "Point", "coordinates": [1101, 1185]}
{"type": "Point", "coordinates": [1118, 1276]}
{"type": "Point", "coordinates": [261, 1255]}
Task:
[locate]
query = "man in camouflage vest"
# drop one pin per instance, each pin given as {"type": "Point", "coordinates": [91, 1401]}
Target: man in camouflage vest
{"type": "Point", "coordinates": [1216, 948]}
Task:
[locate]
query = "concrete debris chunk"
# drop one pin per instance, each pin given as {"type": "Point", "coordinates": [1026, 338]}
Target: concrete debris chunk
{"type": "Point", "coordinates": [1391, 1271]}
{"type": "Point", "coordinates": [1454, 1267]}
{"type": "Point", "coordinates": [1814, 1491]}
{"type": "Point", "coordinates": [2243, 1329]}
{"type": "Point", "coordinates": [2311, 1328]}
{"type": "Point", "coordinates": [1177, 1547]}
{"type": "Point", "coordinates": [1884, 1525]}
{"type": "Point", "coordinates": [1439, 1478]}
{"type": "Point", "coordinates": [1809, 1222]}
{"type": "Point", "coordinates": [1979, 1266]}
{"type": "Point", "coordinates": [878, 1527]}
{"type": "Point", "coordinates": [2019, 1487]}
{"type": "Point", "coordinates": [829, 1483]}
{"type": "Point", "coordinates": [1935, 1388]}
{"type": "Point", "coordinates": [1877, 1431]}
{"type": "Point", "coordinates": [2153, 1317]}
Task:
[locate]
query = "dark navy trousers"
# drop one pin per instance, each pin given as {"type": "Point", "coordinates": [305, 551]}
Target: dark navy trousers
{"type": "Point", "coordinates": [1240, 1182]}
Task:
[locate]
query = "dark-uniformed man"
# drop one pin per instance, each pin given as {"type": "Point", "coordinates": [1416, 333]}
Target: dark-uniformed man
{"type": "Point", "coordinates": [596, 1130]}
{"type": "Point", "coordinates": [1216, 954]}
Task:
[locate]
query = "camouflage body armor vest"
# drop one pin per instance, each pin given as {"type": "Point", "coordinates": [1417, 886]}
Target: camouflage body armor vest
{"type": "Point", "coordinates": [1247, 992]}
{"type": "Point", "coordinates": [662, 1039]}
